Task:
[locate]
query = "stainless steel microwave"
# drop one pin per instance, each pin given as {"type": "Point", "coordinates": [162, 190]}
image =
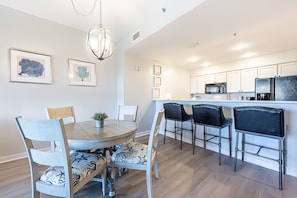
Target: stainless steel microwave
{"type": "Point", "coordinates": [215, 88]}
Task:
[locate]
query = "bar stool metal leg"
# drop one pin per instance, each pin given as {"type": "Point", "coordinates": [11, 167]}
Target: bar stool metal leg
{"type": "Point", "coordinates": [280, 164]}
{"type": "Point", "coordinates": [165, 130]}
{"type": "Point", "coordinates": [220, 145]}
{"type": "Point", "coordinates": [175, 127]}
{"type": "Point", "coordinates": [181, 136]}
{"type": "Point", "coordinates": [284, 155]}
{"type": "Point", "coordinates": [194, 139]}
{"type": "Point", "coordinates": [242, 146]}
{"type": "Point", "coordinates": [230, 141]}
{"type": "Point", "coordinates": [236, 150]}
{"type": "Point", "coordinates": [204, 136]}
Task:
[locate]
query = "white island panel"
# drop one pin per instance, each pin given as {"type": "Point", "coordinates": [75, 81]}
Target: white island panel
{"type": "Point", "coordinates": [290, 108]}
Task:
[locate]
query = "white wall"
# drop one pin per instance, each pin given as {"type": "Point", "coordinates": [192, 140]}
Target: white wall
{"type": "Point", "coordinates": [29, 100]}
{"type": "Point", "coordinates": [138, 86]}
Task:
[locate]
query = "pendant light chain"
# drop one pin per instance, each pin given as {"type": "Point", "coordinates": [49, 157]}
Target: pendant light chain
{"type": "Point", "coordinates": [100, 14]}
{"type": "Point", "coordinates": [90, 12]}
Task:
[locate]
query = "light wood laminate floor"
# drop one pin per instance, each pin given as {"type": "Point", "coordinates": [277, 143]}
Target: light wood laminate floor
{"type": "Point", "coordinates": [181, 173]}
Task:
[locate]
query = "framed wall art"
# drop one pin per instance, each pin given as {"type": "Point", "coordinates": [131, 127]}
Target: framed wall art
{"type": "Point", "coordinates": [157, 70]}
{"type": "Point", "coordinates": [156, 93]}
{"type": "Point", "coordinates": [30, 67]}
{"type": "Point", "coordinates": [157, 81]}
{"type": "Point", "coordinates": [81, 73]}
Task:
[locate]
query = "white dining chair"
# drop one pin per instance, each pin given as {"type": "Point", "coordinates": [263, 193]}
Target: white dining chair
{"type": "Point", "coordinates": [138, 156]}
{"type": "Point", "coordinates": [127, 112]}
{"type": "Point", "coordinates": [62, 174]}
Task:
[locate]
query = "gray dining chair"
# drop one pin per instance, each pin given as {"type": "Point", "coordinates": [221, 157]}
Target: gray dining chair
{"type": "Point", "coordinates": [62, 174]}
{"type": "Point", "coordinates": [138, 156]}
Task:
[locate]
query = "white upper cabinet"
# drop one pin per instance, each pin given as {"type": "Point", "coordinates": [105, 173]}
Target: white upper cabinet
{"type": "Point", "coordinates": [287, 69]}
{"type": "Point", "coordinates": [267, 71]}
{"type": "Point", "coordinates": [241, 80]}
{"type": "Point", "coordinates": [215, 78]}
{"type": "Point", "coordinates": [221, 77]}
{"type": "Point", "coordinates": [248, 77]}
{"type": "Point", "coordinates": [201, 84]}
{"type": "Point", "coordinates": [197, 84]}
{"type": "Point", "coordinates": [210, 78]}
{"type": "Point", "coordinates": [233, 81]}
{"type": "Point", "coordinates": [194, 84]}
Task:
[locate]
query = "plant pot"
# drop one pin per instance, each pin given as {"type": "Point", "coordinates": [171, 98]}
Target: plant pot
{"type": "Point", "coordinates": [99, 123]}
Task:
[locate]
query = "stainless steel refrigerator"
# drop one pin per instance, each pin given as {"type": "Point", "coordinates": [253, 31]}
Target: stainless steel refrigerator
{"type": "Point", "coordinates": [278, 88]}
{"type": "Point", "coordinates": [285, 88]}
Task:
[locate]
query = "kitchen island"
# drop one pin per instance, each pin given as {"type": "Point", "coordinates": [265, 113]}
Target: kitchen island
{"type": "Point", "coordinates": [290, 108]}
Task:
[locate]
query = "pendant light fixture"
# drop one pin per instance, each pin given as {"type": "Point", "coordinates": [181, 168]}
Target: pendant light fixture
{"type": "Point", "coordinates": [99, 41]}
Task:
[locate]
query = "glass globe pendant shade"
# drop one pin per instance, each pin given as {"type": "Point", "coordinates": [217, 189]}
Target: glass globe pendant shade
{"type": "Point", "coordinates": [100, 43]}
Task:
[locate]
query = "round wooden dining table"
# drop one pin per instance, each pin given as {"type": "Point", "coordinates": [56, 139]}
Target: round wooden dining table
{"type": "Point", "coordinates": [86, 136]}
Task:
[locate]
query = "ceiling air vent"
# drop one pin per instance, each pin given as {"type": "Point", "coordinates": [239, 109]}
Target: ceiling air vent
{"type": "Point", "coordinates": [136, 36]}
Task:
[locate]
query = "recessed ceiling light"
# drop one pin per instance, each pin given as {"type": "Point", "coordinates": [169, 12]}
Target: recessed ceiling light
{"type": "Point", "coordinates": [205, 64]}
{"type": "Point", "coordinates": [192, 59]}
{"type": "Point", "coordinates": [248, 55]}
{"type": "Point", "coordinates": [240, 46]}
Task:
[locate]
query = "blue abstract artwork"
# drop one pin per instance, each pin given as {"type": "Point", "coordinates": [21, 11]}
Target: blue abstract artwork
{"type": "Point", "coordinates": [82, 72]}
{"type": "Point", "coordinates": [31, 67]}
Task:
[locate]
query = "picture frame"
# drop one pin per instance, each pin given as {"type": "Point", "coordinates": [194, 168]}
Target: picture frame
{"type": "Point", "coordinates": [30, 67]}
{"type": "Point", "coordinates": [81, 73]}
{"type": "Point", "coordinates": [157, 70]}
{"type": "Point", "coordinates": [156, 93]}
{"type": "Point", "coordinates": [157, 81]}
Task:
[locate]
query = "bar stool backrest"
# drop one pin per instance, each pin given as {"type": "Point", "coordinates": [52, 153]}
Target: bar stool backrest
{"type": "Point", "coordinates": [263, 120]}
{"type": "Point", "coordinates": [175, 111]}
{"type": "Point", "coordinates": [208, 115]}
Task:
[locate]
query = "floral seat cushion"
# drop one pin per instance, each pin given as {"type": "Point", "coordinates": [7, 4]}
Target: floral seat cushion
{"type": "Point", "coordinates": [131, 152]}
{"type": "Point", "coordinates": [83, 164]}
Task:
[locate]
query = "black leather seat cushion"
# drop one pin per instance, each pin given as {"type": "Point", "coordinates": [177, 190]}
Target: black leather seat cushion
{"type": "Point", "coordinates": [265, 120]}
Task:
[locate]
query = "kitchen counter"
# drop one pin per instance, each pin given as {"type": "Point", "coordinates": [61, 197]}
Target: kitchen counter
{"type": "Point", "coordinates": [229, 101]}
{"type": "Point", "coordinates": [290, 108]}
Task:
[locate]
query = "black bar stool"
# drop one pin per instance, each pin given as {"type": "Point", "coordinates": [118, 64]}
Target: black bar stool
{"type": "Point", "coordinates": [211, 116]}
{"type": "Point", "coordinates": [176, 112]}
{"type": "Point", "coordinates": [261, 121]}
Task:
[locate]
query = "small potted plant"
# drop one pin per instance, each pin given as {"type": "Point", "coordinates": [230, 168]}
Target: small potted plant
{"type": "Point", "coordinates": [99, 118]}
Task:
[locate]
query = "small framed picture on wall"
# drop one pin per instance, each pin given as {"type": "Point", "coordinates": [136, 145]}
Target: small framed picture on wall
{"type": "Point", "coordinates": [157, 70]}
{"type": "Point", "coordinates": [157, 81]}
{"type": "Point", "coordinates": [156, 93]}
{"type": "Point", "coordinates": [81, 73]}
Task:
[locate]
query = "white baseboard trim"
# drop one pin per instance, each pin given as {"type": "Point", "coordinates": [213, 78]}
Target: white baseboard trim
{"type": "Point", "coordinates": [13, 157]}
{"type": "Point", "coordinates": [143, 133]}
{"type": "Point", "coordinates": [225, 151]}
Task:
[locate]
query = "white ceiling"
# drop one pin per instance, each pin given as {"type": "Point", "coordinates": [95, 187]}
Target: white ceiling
{"type": "Point", "coordinates": [267, 26]}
